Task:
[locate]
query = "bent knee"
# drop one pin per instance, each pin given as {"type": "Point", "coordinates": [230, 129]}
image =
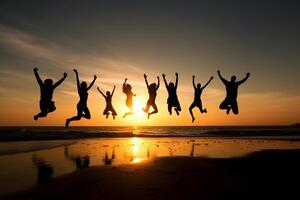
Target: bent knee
{"type": "Point", "coordinates": [235, 112]}
{"type": "Point", "coordinates": [51, 109]}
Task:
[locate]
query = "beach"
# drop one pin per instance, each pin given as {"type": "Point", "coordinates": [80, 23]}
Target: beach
{"type": "Point", "coordinates": [267, 174]}
{"type": "Point", "coordinates": [149, 162]}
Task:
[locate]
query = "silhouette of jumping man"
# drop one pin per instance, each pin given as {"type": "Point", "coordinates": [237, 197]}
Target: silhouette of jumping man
{"type": "Point", "coordinates": [109, 108]}
{"type": "Point", "coordinates": [47, 87]}
{"type": "Point", "coordinates": [127, 90]}
{"type": "Point", "coordinates": [152, 90]}
{"type": "Point", "coordinates": [230, 101]}
{"type": "Point", "coordinates": [82, 109]}
{"type": "Point", "coordinates": [197, 98]}
{"type": "Point", "coordinates": [172, 99]}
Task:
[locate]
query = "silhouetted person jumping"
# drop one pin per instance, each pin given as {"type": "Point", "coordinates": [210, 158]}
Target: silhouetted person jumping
{"type": "Point", "coordinates": [152, 90]}
{"type": "Point", "coordinates": [197, 97]}
{"type": "Point", "coordinates": [127, 90]}
{"type": "Point", "coordinates": [47, 87]}
{"type": "Point", "coordinates": [109, 108]}
{"type": "Point", "coordinates": [230, 101]}
{"type": "Point", "coordinates": [82, 109]}
{"type": "Point", "coordinates": [172, 99]}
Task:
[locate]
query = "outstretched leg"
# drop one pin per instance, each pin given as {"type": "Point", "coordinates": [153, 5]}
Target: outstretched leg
{"type": "Point", "coordinates": [191, 111]}
{"type": "Point", "coordinates": [45, 108]}
{"type": "Point", "coordinates": [129, 113]}
{"type": "Point", "coordinates": [75, 118]}
{"type": "Point", "coordinates": [154, 106]}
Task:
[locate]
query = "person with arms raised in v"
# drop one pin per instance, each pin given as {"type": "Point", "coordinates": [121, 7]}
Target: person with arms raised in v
{"type": "Point", "coordinates": [230, 101]}
{"type": "Point", "coordinates": [152, 90]}
{"type": "Point", "coordinates": [108, 99]}
{"type": "Point", "coordinates": [127, 89]}
{"type": "Point", "coordinates": [82, 108]}
{"type": "Point", "coordinates": [197, 97]}
{"type": "Point", "coordinates": [47, 88]}
{"type": "Point", "coordinates": [172, 92]}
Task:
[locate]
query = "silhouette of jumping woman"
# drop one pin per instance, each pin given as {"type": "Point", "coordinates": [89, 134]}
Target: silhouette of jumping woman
{"type": "Point", "coordinates": [109, 108]}
{"type": "Point", "coordinates": [197, 98]}
{"type": "Point", "coordinates": [47, 87]}
{"type": "Point", "coordinates": [152, 90]}
{"type": "Point", "coordinates": [82, 109]}
{"type": "Point", "coordinates": [172, 99]}
{"type": "Point", "coordinates": [127, 90]}
{"type": "Point", "coordinates": [230, 101]}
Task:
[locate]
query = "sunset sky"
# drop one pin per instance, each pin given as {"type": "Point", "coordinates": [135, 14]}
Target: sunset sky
{"type": "Point", "coordinates": [125, 39]}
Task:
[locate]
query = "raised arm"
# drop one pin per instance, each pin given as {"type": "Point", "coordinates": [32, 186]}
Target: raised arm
{"type": "Point", "coordinates": [222, 79]}
{"type": "Point", "coordinates": [176, 83]}
{"type": "Point", "coordinates": [125, 82]}
{"type": "Point", "coordinates": [166, 83]}
{"type": "Point", "coordinates": [60, 81]}
{"type": "Point", "coordinates": [243, 80]}
{"type": "Point", "coordinates": [92, 83]}
{"type": "Point", "coordinates": [101, 92]}
{"type": "Point", "coordinates": [77, 79]}
{"type": "Point", "coordinates": [113, 91]}
{"type": "Point", "coordinates": [211, 78]}
{"type": "Point", "coordinates": [158, 83]}
{"type": "Point", "coordinates": [145, 76]}
{"type": "Point", "coordinates": [37, 76]}
{"type": "Point", "coordinates": [194, 82]}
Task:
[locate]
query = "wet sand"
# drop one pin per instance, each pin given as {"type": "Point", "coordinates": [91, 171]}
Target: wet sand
{"type": "Point", "coordinates": [267, 174]}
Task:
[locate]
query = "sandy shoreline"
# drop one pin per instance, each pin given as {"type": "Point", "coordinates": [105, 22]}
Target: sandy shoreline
{"type": "Point", "coordinates": [261, 175]}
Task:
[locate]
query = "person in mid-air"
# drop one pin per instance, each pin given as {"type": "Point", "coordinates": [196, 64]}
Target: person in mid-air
{"type": "Point", "coordinates": [172, 99]}
{"type": "Point", "coordinates": [197, 98]}
{"type": "Point", "coordinates": [152, 90]}
{"type": "Point", "coordinates": [109, 108]}
{"type": "Point", "coordinates": [230, 101]}
{"type": "Point", "coordinates": [127, 90]}
{"type": "Point", "coordinates": [82, 109]}
{"type": "Point", "coordinates": [47, 87]}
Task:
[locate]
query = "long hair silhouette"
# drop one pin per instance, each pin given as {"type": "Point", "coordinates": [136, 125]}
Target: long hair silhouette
{"type": "Point", "coordinates": [127, 89]}
{"type": "Point", "coordinates": [82, 109]}
{"type": "Point", "coordinates": [152, 90]}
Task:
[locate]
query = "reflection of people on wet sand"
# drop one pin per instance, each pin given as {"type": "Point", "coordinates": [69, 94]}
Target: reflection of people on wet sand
{"type": "Point", "coordinates": [152, 90]}
{"type": "Point", "coordinates": [230, 101]}
{"type": "Point", "coordinates": [109, 108]}
{"type": "Point", "coordinates": [47, 87]}
{"type": "Point", "coordinates": [127, 90]}
{"type": "Point", "coordinates": [82, 109]}
{"type": "Point", "coordinates": [80, 161]}
{"type": "Point", "coordinates": [45, 171]}
{"type": "Point", "coordinates": [172, 99]}
{"type": "Point", "coordinates": [107, 160]}
{"type": "Point", "coordinates": [197, 98]}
